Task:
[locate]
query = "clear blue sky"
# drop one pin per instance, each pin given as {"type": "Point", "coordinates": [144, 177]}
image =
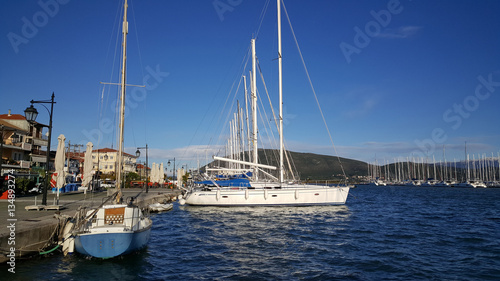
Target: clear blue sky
{"type": "Point", "coordinates": [394, 78]}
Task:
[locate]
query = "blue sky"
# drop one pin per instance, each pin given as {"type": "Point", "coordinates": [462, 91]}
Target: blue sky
{"type": "Point", "coordinates": [395, 79]}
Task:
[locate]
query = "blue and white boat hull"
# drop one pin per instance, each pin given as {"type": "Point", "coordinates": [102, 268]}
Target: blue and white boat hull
{"type": "Point", "coordinates": [111, 243]}
{"type": "Point", "coordinates": [113, 230]}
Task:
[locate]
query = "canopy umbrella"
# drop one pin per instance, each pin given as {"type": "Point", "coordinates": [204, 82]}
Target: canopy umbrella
{"type": "Point", "coordinates": [161, 175]}
{"type": "Point", "coordinates": [88, 165]}
{"type": "Point", "coordinates": [153, 173]}
{"type": "Point", "coordinates": [59, 164]}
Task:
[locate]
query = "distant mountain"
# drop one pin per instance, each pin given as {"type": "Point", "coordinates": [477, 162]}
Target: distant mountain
{"type": "Point", "coordinates": [314, 166]}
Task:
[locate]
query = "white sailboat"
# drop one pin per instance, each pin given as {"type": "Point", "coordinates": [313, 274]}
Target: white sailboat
{"type": "Point", "coordinates": [115, 229]}
{"type": "Point", "coordinates": [264, 193]}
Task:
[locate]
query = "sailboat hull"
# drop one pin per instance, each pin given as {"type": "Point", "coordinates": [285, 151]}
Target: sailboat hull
{"type": "Point", "coordinates": [286, 196]}
{"type": "Point", "coordinates": [113, 230]}
{"type": "Point", "coordinates": [111, 243]}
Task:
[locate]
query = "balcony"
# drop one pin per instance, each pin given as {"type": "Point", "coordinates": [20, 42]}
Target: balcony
{"type": "Point", "coordinates": [40, 142]}
{"type": "Point", "coordinates": [11, 164]}
{"type": "Point", "coordinates": [24, 164]}
{"type": "Point", "coordinates": [26, 146]}
{"type": "Point", "coordinates": [38, 158]}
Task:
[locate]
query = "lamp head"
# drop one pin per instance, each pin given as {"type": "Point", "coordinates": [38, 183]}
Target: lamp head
{"type": "Point", "coordinates": [30, 113]}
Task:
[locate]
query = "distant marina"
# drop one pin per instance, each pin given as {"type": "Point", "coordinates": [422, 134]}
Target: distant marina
{"type": "Point", "coordinates": [483, 172]}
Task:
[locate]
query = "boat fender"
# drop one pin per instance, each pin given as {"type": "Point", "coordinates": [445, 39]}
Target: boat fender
{"type": "Point", "coordinates": [246, 194]}
{"type": "Point", "coordinates": [265, 194]}
{"type": "Point", "coordinates": [296, 194]}
{"type": "Point", "coordinates": [182, 201]}
{"type": "Point", "coordinates": [217, 195]}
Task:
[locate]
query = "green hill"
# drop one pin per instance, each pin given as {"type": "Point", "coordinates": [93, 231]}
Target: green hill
{"type": "Point", "coordinates": [310, 166]}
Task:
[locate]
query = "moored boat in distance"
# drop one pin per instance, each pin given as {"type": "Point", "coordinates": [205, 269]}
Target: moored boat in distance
{"type": "Point", "coordinates": [271, 195]}
{"type": "Point", "coordinates": [253, 190]}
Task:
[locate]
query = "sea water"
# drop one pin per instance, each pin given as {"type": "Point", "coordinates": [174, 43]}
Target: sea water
{"type": "Point", "coordinates": [382, 233]}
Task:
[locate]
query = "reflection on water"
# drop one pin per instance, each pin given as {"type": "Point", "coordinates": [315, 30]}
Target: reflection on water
{"type": "Point", "coordinates": [381, 234]}
{"type": "Point", "coordinates": [240, 240]}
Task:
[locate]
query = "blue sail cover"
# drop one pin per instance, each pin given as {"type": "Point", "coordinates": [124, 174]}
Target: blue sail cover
{"type": "Point", "coordinates": [238, 176]}
{"type": "Point", "coordinates": [237, 182]}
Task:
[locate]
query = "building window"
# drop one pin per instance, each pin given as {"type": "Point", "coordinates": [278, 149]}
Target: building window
{"type": "Point", "coordinates": [111, 166]}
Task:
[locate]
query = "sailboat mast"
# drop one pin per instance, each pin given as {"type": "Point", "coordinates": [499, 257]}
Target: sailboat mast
{"type": "Point", "coordinates": [122, 99]}
{"type": "Point", "coordinates": [280, 85]}
{"type": "Point", "coordinates": [254, 110]}
{"type": "Point", "coordinates": [247, 121]}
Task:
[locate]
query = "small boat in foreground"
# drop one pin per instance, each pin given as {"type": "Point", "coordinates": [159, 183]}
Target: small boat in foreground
{"type": "Point", "coordinates": [114, 229]}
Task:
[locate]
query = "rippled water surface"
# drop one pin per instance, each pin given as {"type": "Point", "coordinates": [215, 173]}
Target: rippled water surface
{"type": "Point", "coordinates": [382, 233]}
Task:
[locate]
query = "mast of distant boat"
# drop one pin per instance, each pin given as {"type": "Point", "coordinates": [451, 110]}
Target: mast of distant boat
{"type": "Point", "coordinates": [280, 85]}
{"type": "Point", "coordinates": [253, 90]}
{"type": "Point", "coordinates": [122, 104]}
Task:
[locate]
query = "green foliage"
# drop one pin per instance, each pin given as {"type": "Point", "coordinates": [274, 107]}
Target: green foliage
{"type": "Point", "coordinates": [131, 177]}
{"type": "Point", "coordinates": [24, 184]}
{"type": "Point", "coordinates": [185, 178]}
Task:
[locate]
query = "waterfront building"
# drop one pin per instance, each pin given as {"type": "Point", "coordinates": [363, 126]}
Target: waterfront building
{"type": "Point", "coordinates": [104, 160]}
{"type": "Point", "coordinates": [24, 146]}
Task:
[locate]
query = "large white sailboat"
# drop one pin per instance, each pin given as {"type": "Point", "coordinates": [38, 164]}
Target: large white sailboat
{"type": "Point", "coordinates": [250, 191]}
{"type": "Point", "coordinates": [114, 229]}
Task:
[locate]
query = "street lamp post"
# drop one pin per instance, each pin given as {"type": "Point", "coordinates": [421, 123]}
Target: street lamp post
{"type": "Point", "coordinates": [138, 153]}
{"type": "Point", "coordinates": [168, 163]}
{"type": "Point", "coordinates": [31, 113]}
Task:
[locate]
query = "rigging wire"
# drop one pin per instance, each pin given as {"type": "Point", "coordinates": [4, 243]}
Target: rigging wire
{"type": "Point", "coordinates": [312, 88]}
{"type": "Point", "coordinates": [102, 104]}
{"type": "Point", "coordinates": [134, 21]}
{"type": "Point", "coordinates": [261, 17]}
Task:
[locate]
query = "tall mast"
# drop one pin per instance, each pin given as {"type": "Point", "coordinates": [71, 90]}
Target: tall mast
{"type": "Point", "coordinates": [122, 101]}
{"type": "Point", "coordinates": [280, 84]}
{"type": "Point", "coordinates": [254, 110]}
{"type": "Point", "coordinates": [248, 124]}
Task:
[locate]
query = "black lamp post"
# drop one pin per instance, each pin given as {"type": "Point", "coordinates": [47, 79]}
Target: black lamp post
{"type": "Point", "coordinates": [173, 176]}
{"type": "Point", "coordinates": [31, 113]}
{"type": "Point", "coordinates": [138, 153]}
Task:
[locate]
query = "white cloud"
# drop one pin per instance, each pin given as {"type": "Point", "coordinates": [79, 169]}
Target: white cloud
{"type": "Point", "coordinates": [401, 32]}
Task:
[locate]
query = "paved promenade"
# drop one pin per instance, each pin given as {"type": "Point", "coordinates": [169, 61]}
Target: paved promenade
{"type": "Point", "coordinates": [32, 228]}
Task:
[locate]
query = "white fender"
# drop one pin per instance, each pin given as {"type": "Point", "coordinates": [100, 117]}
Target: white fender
{"type": "Point", "coordinates": [296, 194]}
{"type": "Point", "coordinates": [68, 239]}
{"type": "Point", "coordinates": [246, 194]}
{"type": "Point", "coordinates": [265, 194]}
{"type": "Point", "coordinates": [217, 195]}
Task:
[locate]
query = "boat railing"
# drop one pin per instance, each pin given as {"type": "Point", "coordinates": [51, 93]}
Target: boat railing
{"type": "Point", "coordinates": [128, 221]}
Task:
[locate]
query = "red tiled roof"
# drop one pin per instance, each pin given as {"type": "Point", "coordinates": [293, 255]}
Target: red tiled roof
{"type": "Point", "coordinates": [141, 167]}
{"type": "Point", "coordinates": [12, 117]}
